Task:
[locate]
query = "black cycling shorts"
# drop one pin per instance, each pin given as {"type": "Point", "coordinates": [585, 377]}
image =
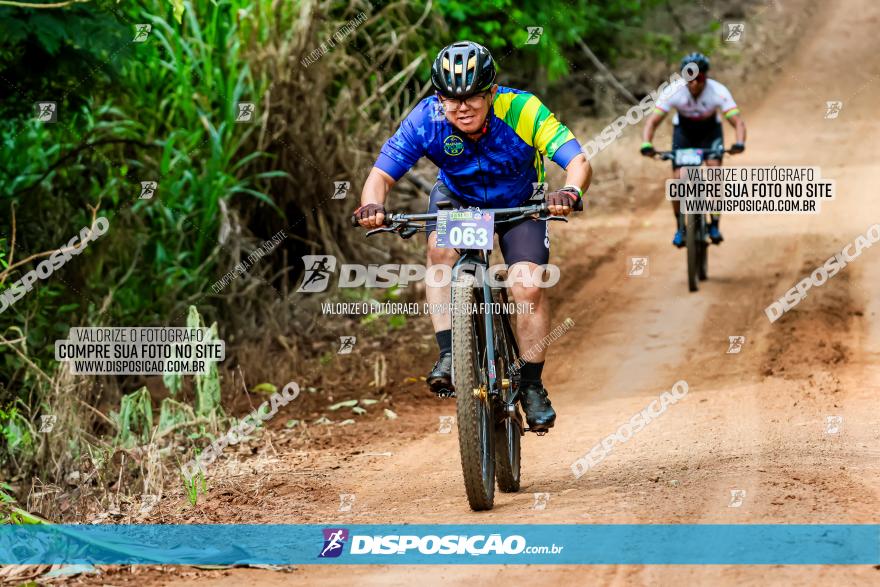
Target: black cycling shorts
{"type": "Point", "coordinates": [697, 134]}
{"type": "Point", "coordinates": [527, 240]}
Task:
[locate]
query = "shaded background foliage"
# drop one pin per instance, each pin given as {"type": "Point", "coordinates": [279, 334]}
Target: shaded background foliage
{"type": "Point", "coordinates": [164, 110]}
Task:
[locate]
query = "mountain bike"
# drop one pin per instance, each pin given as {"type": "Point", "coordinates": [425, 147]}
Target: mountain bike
{"type": "Point", "coordinates": [485, 353]}
{"type": "Point", "coordinates": [695, 225]}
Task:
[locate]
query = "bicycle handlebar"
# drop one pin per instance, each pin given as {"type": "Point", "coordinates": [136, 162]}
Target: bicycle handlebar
{"type": "Point", "coordinates": [395, 222]}
{"type": "Point", "coordinates": [670, 155]}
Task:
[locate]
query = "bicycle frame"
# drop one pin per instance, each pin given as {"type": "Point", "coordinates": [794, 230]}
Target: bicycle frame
{"type": "Point", "coordinates": [472, 260]}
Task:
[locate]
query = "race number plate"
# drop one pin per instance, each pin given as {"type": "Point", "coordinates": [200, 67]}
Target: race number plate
{"type": "Point", "coordinates": [688, 157]}
{"type": "Point", "coordinates": [465, 229]}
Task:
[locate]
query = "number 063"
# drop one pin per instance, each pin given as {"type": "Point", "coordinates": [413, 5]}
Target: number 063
{"type": "Point", "coordinates": [468, 236]}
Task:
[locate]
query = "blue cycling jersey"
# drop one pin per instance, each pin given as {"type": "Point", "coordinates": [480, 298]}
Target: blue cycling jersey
{"type": "Point", "coordinates": [497, 170]}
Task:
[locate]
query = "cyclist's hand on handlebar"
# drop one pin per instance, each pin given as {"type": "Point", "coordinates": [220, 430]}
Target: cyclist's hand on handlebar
{"type": "Point", "coordinates": [737, 148]}
{"type": "Point", "coordinates": [647, 150]}
{"type": "Point", "coordinates": [562, 202]}
{"type": "Point", "coordinates": [370, 215]}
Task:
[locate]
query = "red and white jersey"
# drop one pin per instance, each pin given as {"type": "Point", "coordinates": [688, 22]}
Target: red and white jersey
{"type": "Point", "coordinates": [714, 97]}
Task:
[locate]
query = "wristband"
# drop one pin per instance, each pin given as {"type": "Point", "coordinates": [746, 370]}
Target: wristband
{"type": "Point", "coordinates": [579, 191]}
{"type": "Point", "coordinates": [647, 144]}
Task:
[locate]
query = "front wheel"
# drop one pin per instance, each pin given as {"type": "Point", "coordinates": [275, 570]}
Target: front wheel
{"type": "Point", "coordinates": [473, 403]}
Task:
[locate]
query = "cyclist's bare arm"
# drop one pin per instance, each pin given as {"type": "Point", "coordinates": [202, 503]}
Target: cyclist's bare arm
{"type": "Point", "coordinates": [579, 172]}
{"type": "Point", "coordinates": [737, 122]}
{"type": "Point", "coordinates": [375, 190]}
{"type": "Point", "coordinates": [651, 125]}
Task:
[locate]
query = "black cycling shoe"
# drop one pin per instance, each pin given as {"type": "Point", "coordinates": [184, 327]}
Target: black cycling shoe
{"type": "Point", "coordinates": [440, 377]}
{"type": "Point", "coordinates": [539, 414]}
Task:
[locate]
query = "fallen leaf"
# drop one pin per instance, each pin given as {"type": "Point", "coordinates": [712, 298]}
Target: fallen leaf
{"type": "Point", "coordinates": [266, 388]}
{"type": "Point", "coordinates": [346, 404]}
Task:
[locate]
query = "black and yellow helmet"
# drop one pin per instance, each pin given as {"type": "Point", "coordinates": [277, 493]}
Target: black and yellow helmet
{"type": "Point", "coordinates": [463, 69]}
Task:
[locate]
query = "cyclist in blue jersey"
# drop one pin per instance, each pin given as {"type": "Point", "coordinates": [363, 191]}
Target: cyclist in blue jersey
{"type": "Point", "coordinates": [489, 142]}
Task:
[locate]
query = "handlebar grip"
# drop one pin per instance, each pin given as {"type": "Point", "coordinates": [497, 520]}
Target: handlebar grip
{"type": "Point", "coordinates": [354, 221]}
{"type": "Point", "coordinates": [579, 205]}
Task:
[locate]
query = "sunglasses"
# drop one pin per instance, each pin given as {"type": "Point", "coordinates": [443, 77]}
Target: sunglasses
{"type": "Point", "coordinates": [453, 104]}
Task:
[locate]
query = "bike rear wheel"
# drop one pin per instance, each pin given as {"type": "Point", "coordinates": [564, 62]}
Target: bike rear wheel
{"type": "Point", "coordinates": [692, 251]}
{"type": "Point", "coordinates": [703, 267]}
{"type": "Point", "coordinates": [476, 420]}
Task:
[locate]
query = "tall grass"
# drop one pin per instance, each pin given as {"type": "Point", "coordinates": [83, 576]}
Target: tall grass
{"type": "Point", "coordinates": [168, 116]}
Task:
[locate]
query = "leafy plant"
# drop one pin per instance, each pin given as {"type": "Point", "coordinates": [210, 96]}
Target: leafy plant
{"type": "Point", "coordinates": [192, 486]}
{"type": "Point", "coordinates": [134, 420]}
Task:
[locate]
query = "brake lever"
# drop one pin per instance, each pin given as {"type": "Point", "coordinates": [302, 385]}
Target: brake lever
{"type": "Point", "coordinates": [554, 217]}
{"type": "Point", "coordinates": [382, 229]}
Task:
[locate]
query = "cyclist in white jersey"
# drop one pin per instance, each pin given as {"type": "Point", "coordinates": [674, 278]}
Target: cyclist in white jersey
{"type": "Point", "coordinates": [697, 125]}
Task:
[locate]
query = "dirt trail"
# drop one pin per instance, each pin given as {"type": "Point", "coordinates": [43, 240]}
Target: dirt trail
{"type": "Point", "coordinates": [752, 421]}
